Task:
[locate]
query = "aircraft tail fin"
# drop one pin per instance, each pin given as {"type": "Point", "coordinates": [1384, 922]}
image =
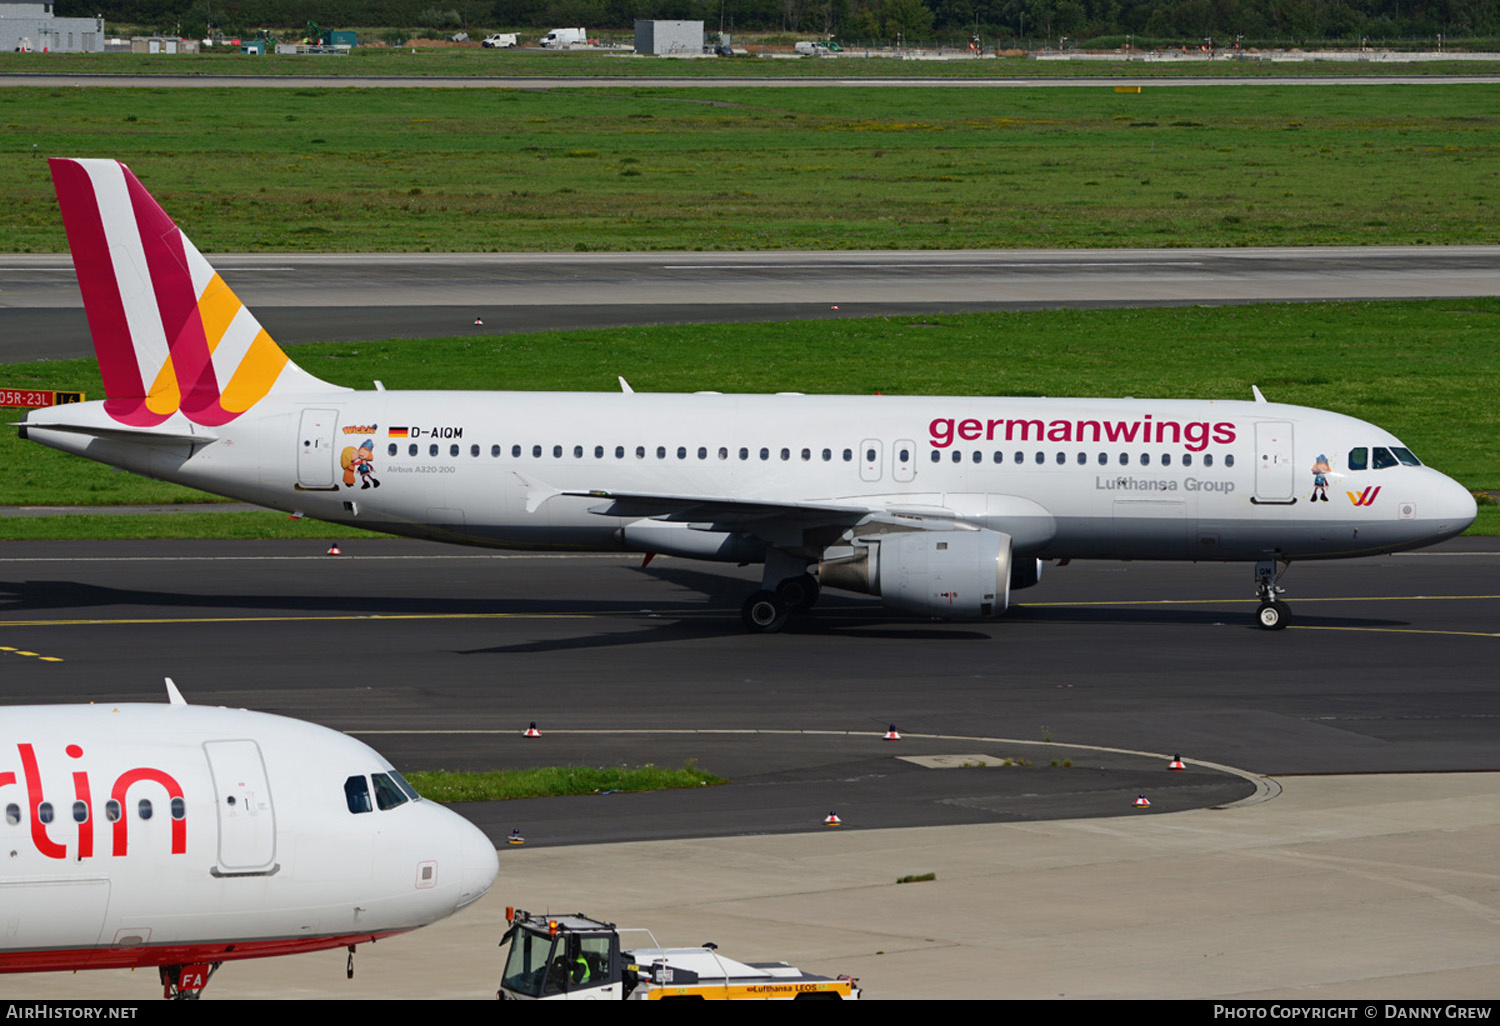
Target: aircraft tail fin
{"type": "Point", "coordinates": [169, 334]}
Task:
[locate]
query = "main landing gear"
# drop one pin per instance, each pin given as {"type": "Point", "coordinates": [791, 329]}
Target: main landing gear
{"type": "Point", "coordinates": [1272, 614]}
{"type": "Point", "coordinates": [768, 610]}
{"type": "Point", "coordinates": [186, 982]}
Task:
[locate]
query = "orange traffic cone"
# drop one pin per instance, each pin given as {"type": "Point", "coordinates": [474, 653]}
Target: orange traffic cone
{"type": "Point", "coordinates": [1141, 803]}
{"type": "Point", "coordinates": [531, 731]}
{"type": "Point", "coordinates": [832, 820]}
{"type": "Point", "coordinates": [891, 734]}
{"type": "Point", "coordinates": [334, 550]}
{"type": "Point", "coordinates": [515, 837]}
{"type": "Point", "coordinates": [1176, 763]}
{"type": "Point", "coordinates": [479, 322]}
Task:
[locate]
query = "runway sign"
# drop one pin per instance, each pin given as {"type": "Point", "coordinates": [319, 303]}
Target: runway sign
{"type": "Point", "coordinates": [32, 398]}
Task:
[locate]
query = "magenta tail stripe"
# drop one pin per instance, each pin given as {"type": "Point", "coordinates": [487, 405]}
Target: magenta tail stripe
{"type": "Point", "coordinates": [123, 385]}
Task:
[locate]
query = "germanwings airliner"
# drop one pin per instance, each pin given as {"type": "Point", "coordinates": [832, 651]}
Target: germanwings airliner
{"type": "Point", "coordinates": [941, 506]}
{"type": "Point", "coordinates": [182, 837]}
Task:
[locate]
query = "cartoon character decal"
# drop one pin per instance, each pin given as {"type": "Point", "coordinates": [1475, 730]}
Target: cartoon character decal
{"type": "Point", "coordinates": [1320, 472]}
{"type": "Point", "coordinates": [359, 461]}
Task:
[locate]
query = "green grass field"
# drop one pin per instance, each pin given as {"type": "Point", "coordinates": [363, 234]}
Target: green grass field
{"type": "Point", "coordinates": [827, 168]}
{"type": "Point", "coordinates": [1424, 370]}
{"type": "Point", "coordinates": [551, 781]}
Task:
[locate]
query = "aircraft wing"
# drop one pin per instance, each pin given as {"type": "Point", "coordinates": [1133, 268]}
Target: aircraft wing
{"type": "Point", "coordinates": [727, 512]}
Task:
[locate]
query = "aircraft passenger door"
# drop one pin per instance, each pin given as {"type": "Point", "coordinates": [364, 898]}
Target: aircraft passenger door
{"type": "Point", "coordinates": [1275, 477]}
{"type": "Point", "coordinates": [904, 460]}
{"type": "Point", "coordinates": [247, 821]}
{"type": "Point", "coordinates": [316, 449]}
{"type": "Point", "coordinates": [870, 459]}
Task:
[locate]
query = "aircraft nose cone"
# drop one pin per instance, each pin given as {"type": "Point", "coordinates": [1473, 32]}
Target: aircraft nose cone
{"type": "Point", "coordinates": [1457, 506]}
{"type": "Point", "coordinates": [480, 863]}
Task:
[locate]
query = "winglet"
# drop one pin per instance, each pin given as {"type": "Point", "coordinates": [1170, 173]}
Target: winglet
{"type": "Point", "coordinates": [1258, 397]}
{"type": "Point", "coordinates": [174, 697]}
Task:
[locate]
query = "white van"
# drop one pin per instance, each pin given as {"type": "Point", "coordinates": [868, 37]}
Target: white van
{"type": "Point", "coordinates": [564, 37]}
{"type": "Point", "coordinates": [500, 41]}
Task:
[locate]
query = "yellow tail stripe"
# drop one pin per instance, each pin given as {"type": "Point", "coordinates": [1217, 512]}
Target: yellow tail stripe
{"type": "Point", "coordinates": [165, 395]}
{"type": "Point", "coordinates": [217, 307]}
{"type": "Point", "coordinates": [254, 376]}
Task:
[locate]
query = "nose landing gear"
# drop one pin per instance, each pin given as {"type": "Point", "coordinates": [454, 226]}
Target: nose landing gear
{"type": "Point", "coordinates": [1272, 614]}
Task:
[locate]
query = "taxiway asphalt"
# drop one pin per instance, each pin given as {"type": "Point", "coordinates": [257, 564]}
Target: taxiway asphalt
{"type": "Point", "coordinates": [1360, 869]}
{"type": "Point", "coordinates": [440, 657]}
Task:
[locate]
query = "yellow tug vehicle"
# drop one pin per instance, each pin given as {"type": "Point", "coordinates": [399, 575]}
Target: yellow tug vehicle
{"type": "Point", "coordinates": [577, 958]}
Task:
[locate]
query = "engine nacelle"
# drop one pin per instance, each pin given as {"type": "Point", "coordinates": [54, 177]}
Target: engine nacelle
{"type": "Point", "coordinates": [1024, 572]}
{"type": "Point", "coordinates": [952, 574]}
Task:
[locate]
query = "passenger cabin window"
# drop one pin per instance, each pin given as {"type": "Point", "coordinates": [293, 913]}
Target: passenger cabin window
{"type": "Point", "coordinates": [357, 795]}
{"type": "Point", "coordinates": [12, 814]}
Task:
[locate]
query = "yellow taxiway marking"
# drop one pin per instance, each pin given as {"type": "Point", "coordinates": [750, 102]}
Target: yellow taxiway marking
{"type": "Point", "coordinates": [31, 655]}
{"type": "Point", "coordinates": [1396, 630]}
{"type": "Point", "coordinates": [684, 613]}
{"type": "Point", "coordinates": [299, 619]}
{"type": "Point", "coordinates": [1247, 601]}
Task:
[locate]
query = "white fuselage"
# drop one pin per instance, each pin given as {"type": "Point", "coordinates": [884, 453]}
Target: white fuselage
{"type": "Point", "coordinates": [1065, 478]}
{"type": "Point", "coordinates": [138, 835]}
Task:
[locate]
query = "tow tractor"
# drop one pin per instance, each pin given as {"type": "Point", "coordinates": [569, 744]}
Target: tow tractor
{"type": "Point", "coordinates": [576, 958]}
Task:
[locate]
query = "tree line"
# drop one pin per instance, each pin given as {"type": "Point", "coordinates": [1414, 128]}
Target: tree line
{"type": "Point", "coordinates": [1025, 22]}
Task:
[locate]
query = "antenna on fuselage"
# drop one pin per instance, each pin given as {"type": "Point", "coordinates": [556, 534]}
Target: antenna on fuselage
{"type": "Point", "coordinates": [625, 386]}
{"type": "Point", "coordinates": [174, 697]}
{"type": "Point", "coordinates": [1258, 397]}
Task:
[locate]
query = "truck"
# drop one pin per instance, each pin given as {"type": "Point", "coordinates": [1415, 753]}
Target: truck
{"type": "Point", "coordinates": [559, 39]}
{"type": "Point", "coordinates": [579, 958]}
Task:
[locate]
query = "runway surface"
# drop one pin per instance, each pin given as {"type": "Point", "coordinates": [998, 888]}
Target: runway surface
{"type": "Point", "coordinates": [347, 297]}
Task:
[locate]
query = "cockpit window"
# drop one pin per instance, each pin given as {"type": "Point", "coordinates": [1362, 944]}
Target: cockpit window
{"type": "Point", "coordinates": [357, 794]}
{"type": "Point", "coordinates": [1359, 459]}
{"type": "Point", "coordinates": [1383, 458]}
{"type": "Point", "coordinates": [1405, 456]}
{"type": "Point", "coordinates": [405, 785]}
{"type": "Point", "coordinates": [387, 794]}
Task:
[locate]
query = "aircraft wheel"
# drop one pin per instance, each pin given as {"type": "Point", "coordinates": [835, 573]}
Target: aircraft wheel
{"type": "Point", "coordinates": [764, 613]}
{"type": "Point", "coordinates": [1273, 616]}
{"type": "Point", "coordinates": [799, 593]}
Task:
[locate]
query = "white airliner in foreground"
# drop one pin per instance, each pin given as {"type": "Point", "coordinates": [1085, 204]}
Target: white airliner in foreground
{"type": "Point", "coordinates": [939, 505]}
{"type": "Point", "coordinates": [185, 836]}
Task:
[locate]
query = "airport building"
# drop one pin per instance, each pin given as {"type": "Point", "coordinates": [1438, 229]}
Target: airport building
{"type": "Point", "coordinates": [664, 38]}
{"type": "Point", "coordinates": [34, 27]}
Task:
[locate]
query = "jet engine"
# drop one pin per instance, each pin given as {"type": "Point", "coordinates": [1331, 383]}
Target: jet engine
{"type": "Point", "coordinates": [952, 574]}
